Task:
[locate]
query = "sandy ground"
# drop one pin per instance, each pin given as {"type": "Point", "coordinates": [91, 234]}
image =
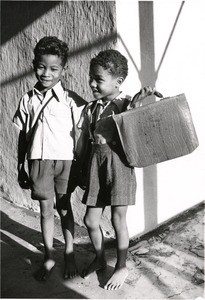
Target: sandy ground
{"type": "Point", "coordinates": [167, 263]}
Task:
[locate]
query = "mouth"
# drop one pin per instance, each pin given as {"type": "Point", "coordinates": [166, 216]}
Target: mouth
{"type": "Point", "coordinates": [95, 91]}
{"type": "Point", "coordinates": [46, 81]}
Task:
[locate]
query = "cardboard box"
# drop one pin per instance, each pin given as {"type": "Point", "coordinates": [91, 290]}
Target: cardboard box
{"type": "Point", "coordinates": [157, 132]}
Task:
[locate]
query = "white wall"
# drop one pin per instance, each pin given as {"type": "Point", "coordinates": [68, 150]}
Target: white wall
{"type": "Point", "coordinates": [177, 184]}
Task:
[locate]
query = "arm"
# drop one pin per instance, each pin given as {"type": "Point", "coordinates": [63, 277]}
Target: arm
{"type": "Point", "coordinates": [23, 178]}
{"type": "Point", "coordinates": [20, 120]}
{"type": "Point", "coordinates": [83, 154]}
{"type": "Point", "coordinates": [82, 150]}
{"type": "Point", "coordinates": [81, 147]}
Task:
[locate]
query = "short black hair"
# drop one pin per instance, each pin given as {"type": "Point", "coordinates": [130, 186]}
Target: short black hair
{"type": "Point", "coordinates": [51, 45]}
{"type": "Point", "coordinates": [113, 61]}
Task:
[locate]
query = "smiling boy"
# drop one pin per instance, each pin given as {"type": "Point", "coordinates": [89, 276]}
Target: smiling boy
{"type": "Point", "coordinates": [110, 181]}
{"type": "Point", "coordinates": [46, 117]}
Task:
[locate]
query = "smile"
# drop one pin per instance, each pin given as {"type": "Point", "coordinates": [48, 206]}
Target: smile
{"type": "Point", "coordinates": [46, 80]}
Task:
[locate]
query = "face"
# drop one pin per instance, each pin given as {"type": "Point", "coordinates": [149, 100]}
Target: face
{"type": "Point", "coordinates": [48, 70]}
{"type": "Point", "coordinates": [104, 85]}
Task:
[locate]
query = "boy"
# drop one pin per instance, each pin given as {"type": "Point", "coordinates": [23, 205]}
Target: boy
{"type": "Point", "coordinates": [110, 180]}
{"type": "Point", "coordinates": [46, 118]}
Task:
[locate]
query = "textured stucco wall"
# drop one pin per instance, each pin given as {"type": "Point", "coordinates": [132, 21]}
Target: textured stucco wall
{"type": "Point", "coordinates": [87, 27]}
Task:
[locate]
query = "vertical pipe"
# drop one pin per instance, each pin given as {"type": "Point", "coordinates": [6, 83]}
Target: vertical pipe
{"type": "Point", "coordinates": [148, 77]}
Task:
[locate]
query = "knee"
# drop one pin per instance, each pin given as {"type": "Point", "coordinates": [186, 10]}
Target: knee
{"type": "Point", "coordinates": [63, 207]}
{"type": "Point", "coordinates": [90, 223]}
{"type": "Point", "coordinates": [47, 213]}
{"type": "Point", "coordinates": [115, 221]}
{"type": "Point", "coordinates": [118, 221]}
{"type": "Point", "coordinates": [87, 221]}
{"type": "Point", "coordinates": [64, 212]}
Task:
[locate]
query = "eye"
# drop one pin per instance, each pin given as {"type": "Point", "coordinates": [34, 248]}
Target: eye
{"type": "Point", "coordinates": [99, 80]}
{"type": "Point", "coordinates": [40, 67]}
{"type": "Point", "coordinates": [54, 69]}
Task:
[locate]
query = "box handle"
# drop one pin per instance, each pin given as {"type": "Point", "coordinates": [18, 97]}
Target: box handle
{"type": "Point", "coordinates": [135, 98]}
{"type": "Point", "coordinates": [158, 94]}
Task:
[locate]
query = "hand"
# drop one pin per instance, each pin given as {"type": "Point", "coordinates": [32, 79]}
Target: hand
{"type": "Point", "coordinates": [23, 179]}
{"type": "Point", "coordinates": [143, 93]}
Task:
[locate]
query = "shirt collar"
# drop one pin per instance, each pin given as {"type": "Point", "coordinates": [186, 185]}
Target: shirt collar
{"type": "Point", "coordinates": [57, 90]}
{"type": "Point", "coordinates": [118, 101]}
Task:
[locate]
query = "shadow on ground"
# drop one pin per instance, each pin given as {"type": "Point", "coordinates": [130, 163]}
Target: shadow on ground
{"type": "Point", "coordinates": [164, 264]}
{"type": "Point", "coordinates": [22, 254]}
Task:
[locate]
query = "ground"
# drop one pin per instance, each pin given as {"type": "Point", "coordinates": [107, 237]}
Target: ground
{"type": "Point", "coordinates": [167, 263]}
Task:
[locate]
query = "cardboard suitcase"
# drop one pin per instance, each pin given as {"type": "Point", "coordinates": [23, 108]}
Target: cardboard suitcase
{"type": "Point", "coordinates": [157, 132]}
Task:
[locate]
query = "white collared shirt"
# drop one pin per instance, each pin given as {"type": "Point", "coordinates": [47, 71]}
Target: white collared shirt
{"type": "Point", "coordinates": [52, 135]}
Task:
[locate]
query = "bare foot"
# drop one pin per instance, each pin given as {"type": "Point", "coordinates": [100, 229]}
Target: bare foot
{"type": "Point", "coordinates": [70, 270]}
{"type": "Point", "coordinates": [45, 270]}
{"type": "Point", "coordinates": [117, 279]}
{"type": "Point", "coordinates": [96, 265]}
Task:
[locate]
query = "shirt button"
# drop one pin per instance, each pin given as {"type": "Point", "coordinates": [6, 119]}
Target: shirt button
{"type": "Point", "coordinates": [114, 143]}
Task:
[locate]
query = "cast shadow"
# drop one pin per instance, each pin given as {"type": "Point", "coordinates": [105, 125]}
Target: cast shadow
{"type": "Point", "coordinates": [21, 256]}
{"type": "Point", "coordinates": [104, 275]}
{"type": "Point", "coordinates": [32, 10]}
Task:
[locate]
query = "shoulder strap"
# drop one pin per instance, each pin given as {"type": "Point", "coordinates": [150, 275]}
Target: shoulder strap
{"type": "Point", "coordinates": [37, 117]}
{"type": "Point", "coordinates": [93, 106]}
{"type": "Point", "coordinates": [93, 122]}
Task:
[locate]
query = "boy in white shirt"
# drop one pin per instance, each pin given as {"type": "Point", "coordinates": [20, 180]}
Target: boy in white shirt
{"type": "Point", "coordinates": [46, 117]}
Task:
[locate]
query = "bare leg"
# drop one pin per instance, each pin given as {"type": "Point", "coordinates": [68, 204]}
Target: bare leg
{"type": "Point", "coordinates": [120, 226]}
{"type": "Point", "coordinates": [47, 228]}
{"type": "Point", "coordinates": [92, 221]}
{"type": "Point", "coordinates": [64, 208]}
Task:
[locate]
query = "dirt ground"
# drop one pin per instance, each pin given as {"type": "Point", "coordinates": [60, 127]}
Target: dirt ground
{"type": "Point", "coordinates": [167, 263]}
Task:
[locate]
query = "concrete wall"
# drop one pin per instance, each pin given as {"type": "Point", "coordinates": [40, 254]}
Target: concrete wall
{"type": "Point", "coordinates": [165, 44]}
{"type": "Point", "coordinates": [87, 27]}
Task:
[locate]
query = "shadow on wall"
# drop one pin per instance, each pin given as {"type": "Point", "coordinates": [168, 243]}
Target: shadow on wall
{"type": "Point", "coordinates": [32, 10]}
{"type": "Point", "coordinates": [73, 53]}
{"type": "Point", "coordinates": [147, 75]}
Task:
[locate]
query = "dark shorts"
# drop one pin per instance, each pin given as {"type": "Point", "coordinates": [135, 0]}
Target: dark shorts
{"type": "Point", "coordinates": [110, 181]}
{"type": "Point", "coordinates": [49, 177]}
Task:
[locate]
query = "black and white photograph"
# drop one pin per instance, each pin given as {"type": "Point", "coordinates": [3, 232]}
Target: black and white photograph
{"type": "Point", "coordinates": [102, 149]}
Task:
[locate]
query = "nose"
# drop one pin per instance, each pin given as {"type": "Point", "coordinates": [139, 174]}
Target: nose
{"type": "Point", "coordinates": [92, 83]}
{"type": "Point", "coordinates": [46, 72]}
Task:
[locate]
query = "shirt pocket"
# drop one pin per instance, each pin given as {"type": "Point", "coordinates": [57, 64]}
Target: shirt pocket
{"type": "Point", "coordinates": [59, 110]}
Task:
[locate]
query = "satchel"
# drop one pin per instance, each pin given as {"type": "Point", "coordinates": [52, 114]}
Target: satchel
{"type": "Point", "coordinates": [157, 132]}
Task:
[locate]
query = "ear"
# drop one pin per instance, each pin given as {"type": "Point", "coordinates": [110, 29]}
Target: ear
{"type": "Point", "coordinates": [119, 81]}
{"type": "Point", "coordinates": [64, 70]}
{"type": "Point", "coordinates": [65, 67]}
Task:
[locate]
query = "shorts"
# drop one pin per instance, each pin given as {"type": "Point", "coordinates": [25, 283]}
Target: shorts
{"type": "Point", "coordinates": [110, 181]}
{"type": "Point", "coordinates": [48, 177]}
